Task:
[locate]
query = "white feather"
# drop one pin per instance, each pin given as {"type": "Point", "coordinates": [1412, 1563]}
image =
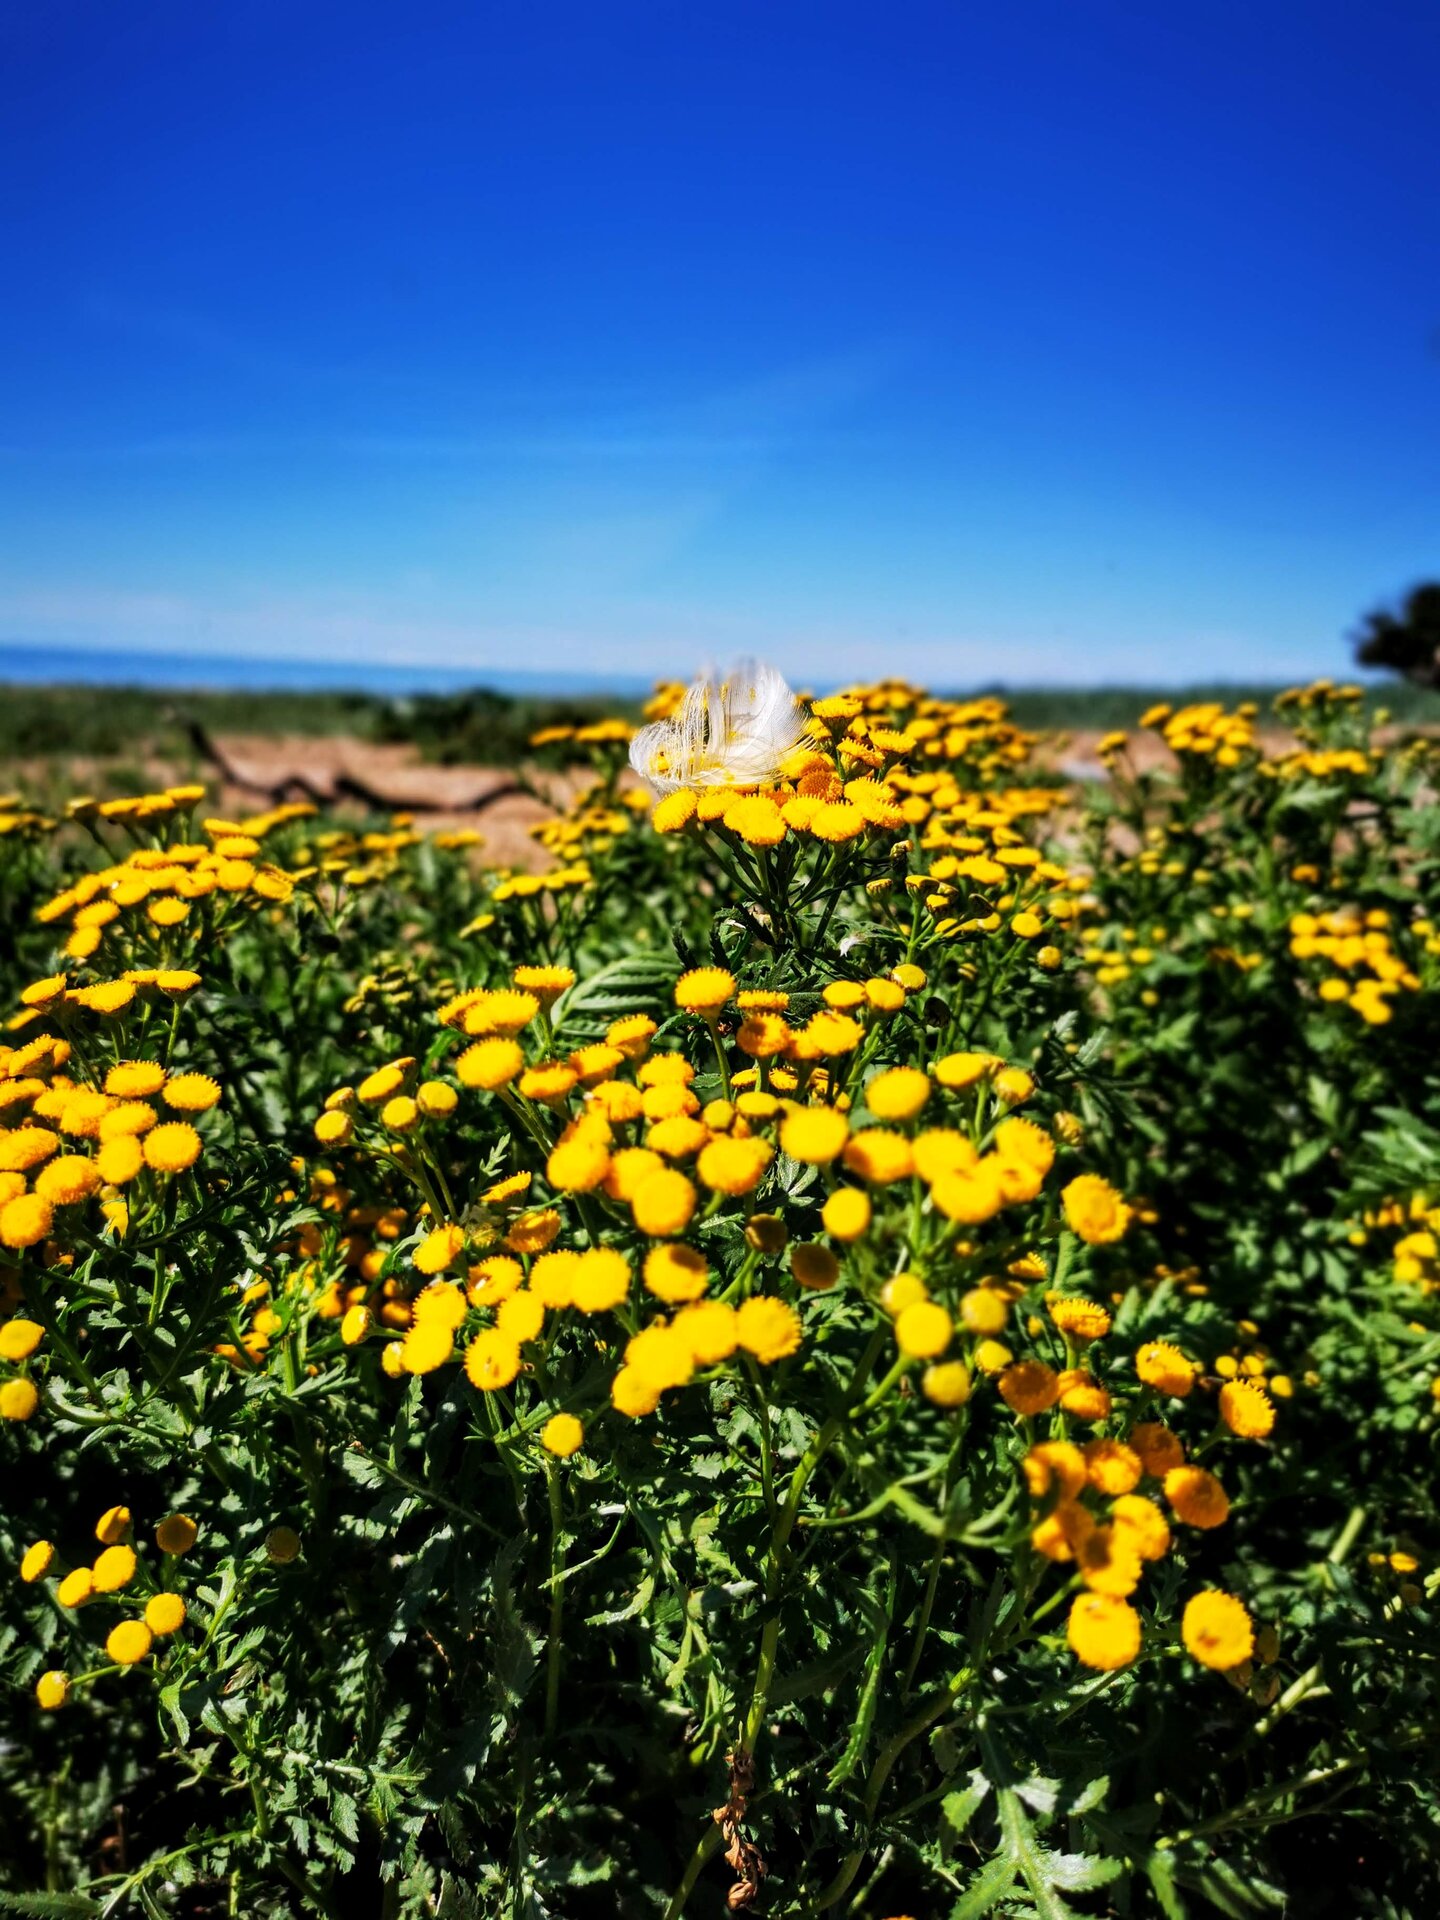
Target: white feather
{"type": "Point", "coordinates": [732, 732]}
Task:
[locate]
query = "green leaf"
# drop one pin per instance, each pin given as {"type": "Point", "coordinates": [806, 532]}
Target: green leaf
{"type": "Point", "coordinates": [49, 1906]}
{"type": "Point", "coordinates": [986, 1890]}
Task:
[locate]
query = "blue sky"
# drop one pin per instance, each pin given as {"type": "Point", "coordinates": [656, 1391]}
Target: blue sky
{"type": "Point", "coordinates": [1049, 342]}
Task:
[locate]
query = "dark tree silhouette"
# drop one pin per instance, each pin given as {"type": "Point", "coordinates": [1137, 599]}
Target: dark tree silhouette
{"type": "Point", "coordinates": [1407, 641]}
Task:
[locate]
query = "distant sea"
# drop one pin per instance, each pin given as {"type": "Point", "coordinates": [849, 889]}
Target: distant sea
{"type": "Point", "coordinates": [103, 667]}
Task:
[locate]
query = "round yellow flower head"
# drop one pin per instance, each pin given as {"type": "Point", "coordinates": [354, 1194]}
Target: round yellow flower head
{"type": "Point", "coordinates": [135, 1079]}
{"type": "Point", "coordinates": [1094, 1210]}
{"type": "Point", "coordinates": [52, 1690]}
{"type": "Point", "coordinates": [427, 1346]}
{"type": "Point", "coordinates": [923, 1330]}
{"type": "Point", "coordinates": [947, 1385]}
{"type": "Point", "coordinates": [24, 1223]}
{"type": "Point", "coordinates": [1029, 1387]}
{"type": "Point", "coordinates": [602, 1280]}
{"type": "Point", "coordinates": [1159, 1449]}
{"type": "Point", "coordinates": [1164, 1367]}
{"type": "Point", "coordinates": [704, 990]}
{"type": "Point", "coordinates": [1103, 1631]}
{"type": "Point", "coordinates": [1082, 1319]}
{"type": "Point", "coordinates": [1197, 1497]}
{"type": "Point", "coordinates": [191, 1093]}
{"type": "Point", "coordinates": [129, 1643]}
{"type": "Point", "coordinates": [902, 1290]}
{"type": "Point", "coordinates": [164, 1614]}
{"type": "Point", "coordinates": [846, 1214]}
{"type": "Point", "coordinates": [440, 1248]}
{"type": "Point", "coordinates": [1246, 1409]}
{"type": "Point", "coordinates": [19, 1338]}
{"type": "Point", "coordinates": [176, 1533]}
{"type": "Point", "coordinates": [663, 1204]}
{"type": "Point", "coordinates": [282, 1545]}
{"type": "Point", "coordinates": [984, 1310]}
{"type": "Point", "coordinates": [35, 1563]}
{"type": "Point", "coordinates": [77, 1588]}
{"type": "Point", "coordinates": [492, 1360]}
{"type": "Point", "coordinates": [898, 1094]}
{"type": "Point", "coordinates": [768, 1328]}
{"type": "Point", "coordinates": [675, 1273]}
{"type": "Point", "coordinates": [562, 1435]}
{"type": "Point", "coordinates": [1146, 1525]}
{"type": "Point", "coordinates": [172, 1147]}
{"type": "Point", "coordinates": [578, 1165]}
{"type": "Point", "coordinates": [814, 1267]}
{"type": "Point", "coordinates": [546, 983]}
{"type": "Point", "coordinates": [815, 1135]}
{"type": "Point", "coordinates": [113, 1569]}
{"type": "Point", "coordinates": [1217, 1630]}
{"type": "Point", "coordinates": [489, 1064]}
{"type": "Point", "coordinates": [733, 1166]}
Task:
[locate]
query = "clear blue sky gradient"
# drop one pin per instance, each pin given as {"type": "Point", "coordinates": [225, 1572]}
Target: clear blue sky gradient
{"type": "Point", "coordinates": [1045, 342]}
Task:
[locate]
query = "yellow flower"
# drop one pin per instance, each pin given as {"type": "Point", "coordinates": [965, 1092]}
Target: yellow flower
{"type": "Point", "coordinates": [113, 1569]}
{"type": "Point", "coordinates": [1217, 1630]}
{"type": "Point", "coordinates": [546, 983]}
{"type": "Point", "coordinates": [969, 1198]}
{"type": "Point", "coordinates": [77, 1589]}
{"type": "Point", "coordinates": [1108, 1562]}
{"type": "Point", "coordinates": [660, 1356]}
{"type": "Point", "coordinates": [191, 1092]}
{"type": "Point", "coordinates": [550, 1081]}
{"type": "Point", "coordinates": [534, 1231]}
{"type": "Point", "coordinates": [663, 1204]}
{"type": "Point", "coordinates": [1111, 1466]}
{"type": "Point", "coordinates": [440, 1248]}
{"type": "Point", "coordinates": [704, 990]}
{"type": "Point", "coordinates": [504, 1011]}
{"type": "Point", "coordinates": [562, 1435]}
{"type": "Point", "coordinates": [334, 1129]}
{"type": "Point", "coordinates": [984, 1310]}
{"type": "Point", "coordinates": [947, 1385]}
{"type": "Point", "coordinates": [1245, 1408]}
{"type": "Point", "coordinates": [129, 1643]}
{"type": "Point", "coordinates": [578, 1165]}
{"type": "Point", "coordinates": [710, 1329]}
{"type": "Point", "coordinates": [1082, 1395]}
{"type": "Point", "coordinates": [23, 1223]}
{"type": "Point", "coordinates": [923, 1330]}
{"type": "Point", "coordinates": [1164, 1367]}
{"type": "Point", "coordinates": [846, 1214]}
{"type": "Point", "coordinates": [1197, 1497]}
{"type": "Point", "coordinates": [631, 1034]}
{"type": "Point", "coordinates": [119, 1160]}
{"type": "Point", "coordinates": [959, 1070]}
{"type": "Point", "coordinates": [435, 1099]}
{"type": "Point", "coordinates": [837, 821]}
{"type": "Point", "coordinates": [1029, 1387]}
{"type": "Point", "coordinates": [172, 1147]}
{"type": "Point", "coordinates": [52, 1690]}
{"type": "Point", "coordinates": [1159, 1449]}
{"type": "Point", "coordinates": [733, 1166]}
{"type": "Point", "coordinates": [1083, 1320]}
{"type": "Point", "coordinates": [176, 1534]}
{"type": "Point", "coordinates": [26, 1148]}
{"type": "Point", "coordinates": [756, 819]}
{"type": "Point", "coordinates": [492, 1360]}
{"type": "Point", "coordinates": [19, 1338]}
{"type": "Point", "coordinates": [1094, 1210]}
{"type": "Point", "coordinates": [816, 1135]}
{"type": "Point", "coordinates": [814, 1267]}
{"type": "Point", "coordinates": [674, 812]}
{"type": "Point", "coordinates": [675, 1273]}
{"type": "Point", "coordinates": [135, 1079]}
{"type": "Point", "coordinates": [1103, 1631]}
{"type": "Point", "coordinates": [898, 1094]}
{"type": "Point", "coordinates": [632, 1394]}
{"type": "Point", "coordinates": [489, 1064]}
{"type": "Point", "coordinates": [282, 1546]}
{"type": "Point", "coordinates": [113, 1526]}
{"type": "Point", "coordinates": [768, 1328]}
{"type": "Point", "coordinates": [761, 1035]}
{"type": "Point", "coordinates": [441, 1304]}
{"type": "Point", "coordinates": [428, 1345]}
{"type": "Point", "coordinates": [602, 1279]}
{"type": "Point", "coordinates": [164, 1614]}
{"type": "Point", "coordinates": [35, 1563]}
{"type": "Point", "coordinates": [384, 1082]}
{"type": "Point", "coordinates": [1145, 1524]}
{"type": "Point", "coordinates": [522, 1317]}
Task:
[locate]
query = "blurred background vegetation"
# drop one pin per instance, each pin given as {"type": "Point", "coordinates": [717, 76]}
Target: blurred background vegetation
{"type": "Point", "coordinates": [480, 726]}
